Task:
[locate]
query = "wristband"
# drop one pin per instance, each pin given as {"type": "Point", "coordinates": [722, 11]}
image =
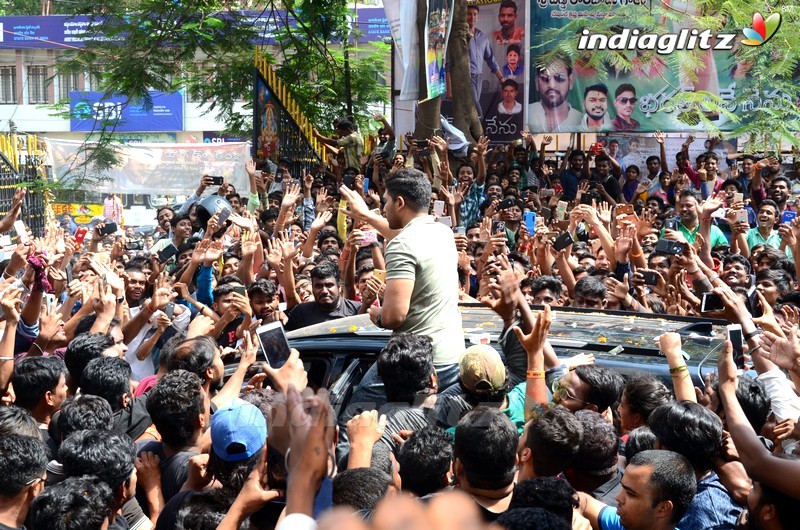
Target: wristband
{"type": "Point", "coordinates": [713, 278]}
{"type": "Point", "coordinates": [535, 374]}
{"type": "Point", "coordinates": [694, 271]}
{"type": "Point", "coordinates": [639, 255]}
{"type": "Point", "coordinates": [678, 369]}
{"type": "Point", "coordinates": [755, 332]}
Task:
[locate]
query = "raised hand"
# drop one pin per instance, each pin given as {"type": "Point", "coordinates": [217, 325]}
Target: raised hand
{"type": "Point", "coordinates": [547, 140]}
{"type": "Point", "coordinates": [213, 253]}
{"type": "Point", "coordinates": [659, 136]}
{"type": "Point", "coordinates": [366, 428]}
{"type": "Point", "coordinates": [357, 208]}
{"type": "Point", "coordinates": [11, 304]}
{"type": "Point", "coordinates": [291, 373]}
{"type": "Point", "coordinates": [162, 293]}
{"type": "Point", "coordinates": [249, 167]}
{"type": "Point", "coordinates": [322, 200]}
{"type": "Point", "coordinates": [482, 146]}
{"type": "Point", "coordinates": [784, 352]}
{"type": "Point", "coordinates": [620, 289]}
{"type": "Point", "coordinates": [534, 341]}
{"type": "Point", "coordinates": [290, 196]}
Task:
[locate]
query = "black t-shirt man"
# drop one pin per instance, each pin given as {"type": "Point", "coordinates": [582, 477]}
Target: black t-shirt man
{"type": "Point", "coordinates": [310, 313]}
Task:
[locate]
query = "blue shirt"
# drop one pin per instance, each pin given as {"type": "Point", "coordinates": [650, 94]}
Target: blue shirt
{"type": "Point", "coordinates": [569, 181]}
{"type": "Point", "coordinates": [479, 51]}
{"type": "Point", "coordinates": [712, 507]}
{"type": "Point", "coordinates": [609, 520]}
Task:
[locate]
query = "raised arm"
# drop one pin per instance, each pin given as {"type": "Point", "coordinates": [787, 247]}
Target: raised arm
{"type": "Point", "coordinates": [778, 473]}
{"type": "Point", "coordinates": [662, 150]}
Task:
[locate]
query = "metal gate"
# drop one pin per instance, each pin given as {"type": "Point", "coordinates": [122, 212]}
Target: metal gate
{"type": "Point", "coordinates": [20, 166]}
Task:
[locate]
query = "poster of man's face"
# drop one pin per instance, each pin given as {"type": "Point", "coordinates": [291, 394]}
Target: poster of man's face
{"type": "Point", "coordinates": [497, 53]}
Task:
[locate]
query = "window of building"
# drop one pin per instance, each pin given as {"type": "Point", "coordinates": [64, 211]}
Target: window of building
{"type": "Point", "coordinates": [67, 82]}
{"type": "Point", "coordinates": [8, 85]}
{"type": "Point", "coordinates": [37, 85]}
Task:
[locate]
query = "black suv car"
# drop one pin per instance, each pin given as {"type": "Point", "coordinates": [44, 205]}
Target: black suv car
{"type": "Point", "coordinates": [337, 353]}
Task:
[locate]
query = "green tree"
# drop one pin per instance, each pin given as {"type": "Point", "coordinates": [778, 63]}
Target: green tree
{"type": "Point", "coordinates": [770, 67]}
{"type": "Point", "coordinates": [139, 45]}
{"type": "Point", "coordinates": [330, 75]}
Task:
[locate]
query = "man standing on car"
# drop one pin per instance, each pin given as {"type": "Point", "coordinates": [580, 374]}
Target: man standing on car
{"type": "Point", "coordinates": [421, 294]}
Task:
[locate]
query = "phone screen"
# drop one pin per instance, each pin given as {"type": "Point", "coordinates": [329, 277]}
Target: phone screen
{"type": "Point", "coordinates": [711, 302]}
{"type": "Point", "coordinates": [563, 241]}
{"type": "Point", "coordinates": [167, 252]}
{"type": "Point", "coordinates": [80, 235]}
{"type": "Point", "coordinates": [223, 215]}
{"type": "Point", "coordinates": [735, 336]}
{"type": "Point", "coordinates": [274, 343]}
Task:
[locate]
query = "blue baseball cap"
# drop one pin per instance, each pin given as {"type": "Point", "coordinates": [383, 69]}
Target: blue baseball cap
{"type": "Point", "coordinates": [238, 432]}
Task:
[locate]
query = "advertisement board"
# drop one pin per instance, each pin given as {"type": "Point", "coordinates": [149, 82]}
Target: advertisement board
{"type": "Point", "coordinates": [636, 94]}
{"type": "Point", "coordinates": [167, 169]}
{"type": "Point", "coordinates": [497, 67]}
{"type": "Point", "coordinates": [91, 111]}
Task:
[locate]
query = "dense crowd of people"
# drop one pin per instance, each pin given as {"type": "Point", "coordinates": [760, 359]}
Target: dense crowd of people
{"type": "Point", "coordinates": [134, 394]}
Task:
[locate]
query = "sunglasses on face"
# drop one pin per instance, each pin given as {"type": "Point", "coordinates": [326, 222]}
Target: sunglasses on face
{"type": "Point", "coordinates": [626, 101]}
{"type": "Point", "coordinates": [558, 78]}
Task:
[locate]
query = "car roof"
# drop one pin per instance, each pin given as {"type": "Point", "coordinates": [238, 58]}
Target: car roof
{"type": "Point", "coordinates": [574, 330]}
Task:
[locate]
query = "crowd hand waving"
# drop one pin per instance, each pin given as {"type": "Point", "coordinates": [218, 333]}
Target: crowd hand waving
{"type": "Point", "coordinates": [274, 256]}
{"type": "Point", "coordinates": [644, 226]}
{"type": "Point", "coordinates": [553, 202]}
{"type": "Point", "coordinates": [290, 196]}
{"type": "Point", "coordinates": [674, 302]}
{"type": "Point", "coordinates": [486, 228]}
{"type": "Point", "coordinates": [791, 315]}
{"type": "Point", "coordinates": [581, 359]}
{"type": "Point", "coordinates": [619, 289]}
{"type": "Point", "coordinates": [213, 253]}
{"type": "Point", "coordinates": [440, 145]}
{"type": "Point", "coordinates": [199, 252]}
{"type": "Point", "coordinates": [711, 205]}
{"type": "Point", "coordinates": [250, 243]}
{"type": "Point", "coordinates": [505, 288]}
{"type": "Point", "coordinates": [288, 249]}
{"type": "Point", "coordinates": [482, 147]}
{"type": "Point", "coordinates": [659, 136]}
{"type": "Point", "coordinates": [535, 340]}
{"type": "Point", "coordinates": [11, 304]}
{"type": "Point", "coordinates": [449, 198]}
{"type": "Point", "coordinates": [767, 319]}
{"type": "Point", "coordinates": [162, 293]}
{"type": "Point", "coordinates": [357, 208]}
{"type": "Point", "coordinates": [445, 174]}
{"type": "Point", "coordinates": [321, 220]}
{"type": "Point", "coordinates": [783, 351]}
